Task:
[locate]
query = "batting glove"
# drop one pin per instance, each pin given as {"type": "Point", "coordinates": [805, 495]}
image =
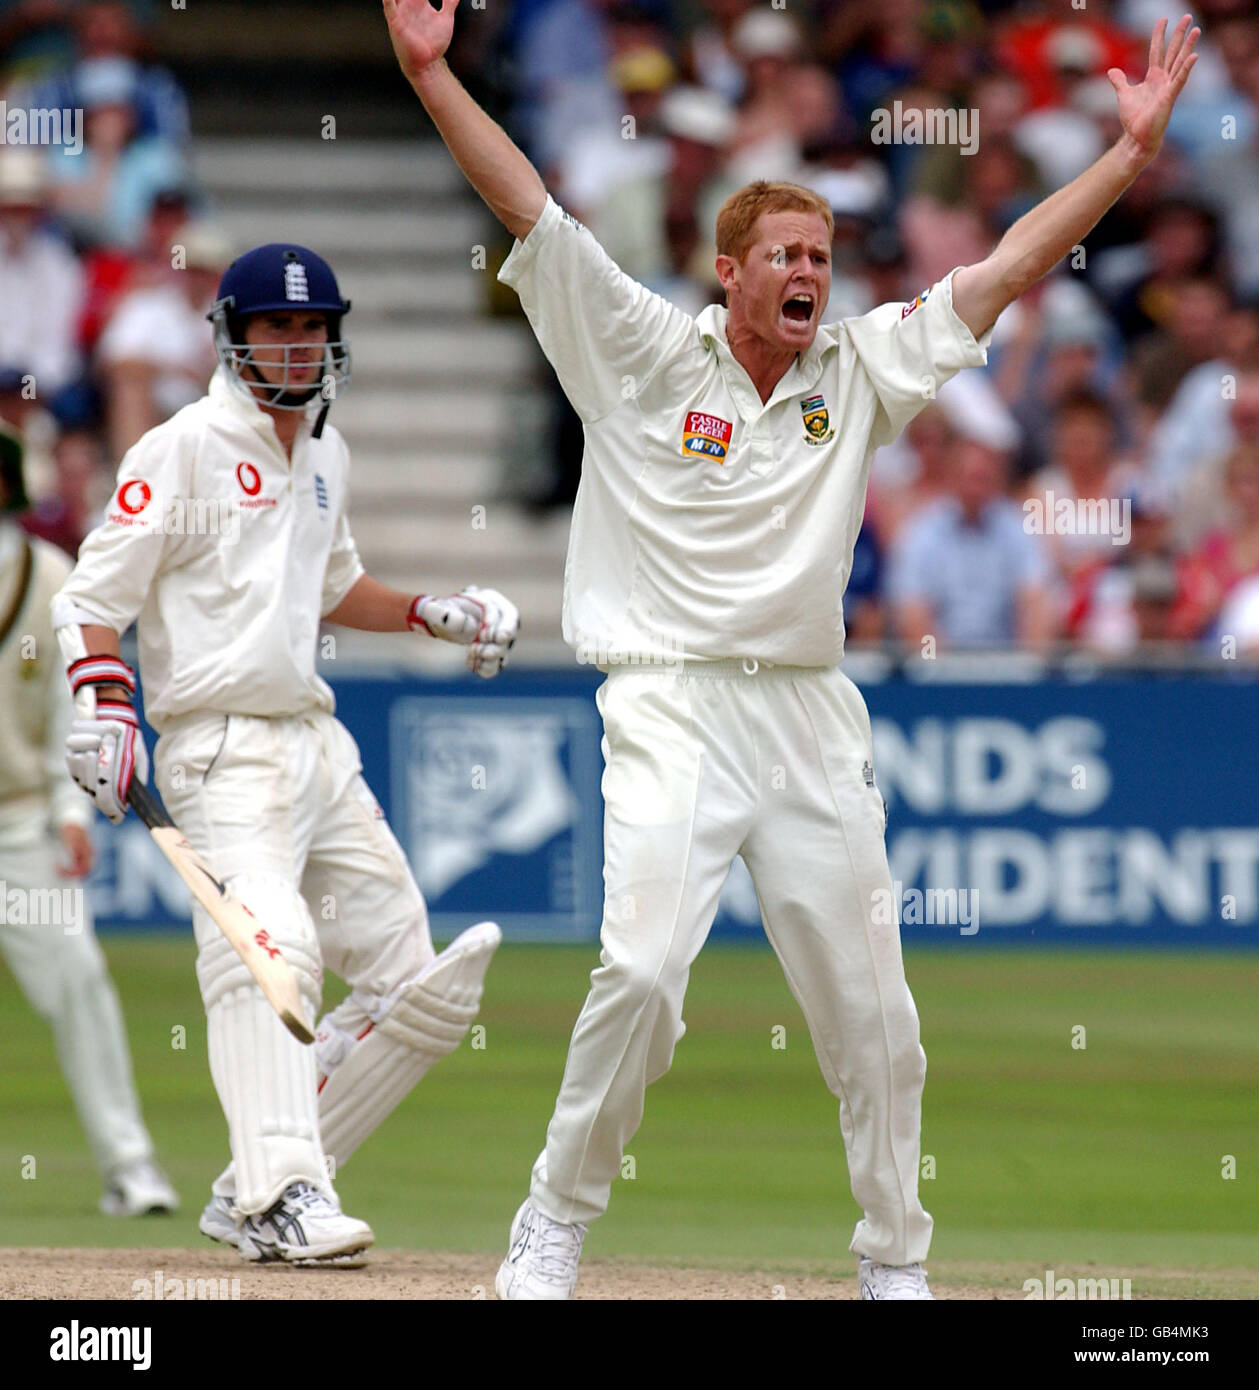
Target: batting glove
{"type": "Point", "coordinates": [480, 619]}
{"type": "Point", "coordinates": [105, 752]}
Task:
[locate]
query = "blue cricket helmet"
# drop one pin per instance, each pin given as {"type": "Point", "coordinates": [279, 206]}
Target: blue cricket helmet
{"type": "Point", "coordinates": [280, 275]}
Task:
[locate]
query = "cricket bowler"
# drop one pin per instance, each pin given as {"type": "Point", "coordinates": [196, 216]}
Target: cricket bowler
{"type": "Point", "coordinates": [227, 543]}
{"type": "Point", "coordinates": [46, 854]}
{"type": "Point", "coordinates": [723, 483]}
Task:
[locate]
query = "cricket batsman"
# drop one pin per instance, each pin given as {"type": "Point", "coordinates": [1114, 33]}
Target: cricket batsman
{"type": "Point", "coordinates": [227, 542]}
{"type": "Point", "coordinates": [723, 482]}
{"type": "Point", "coordinates": [45, 849]}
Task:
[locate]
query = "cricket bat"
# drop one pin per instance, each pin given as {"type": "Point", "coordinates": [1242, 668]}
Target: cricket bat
{"type": "Point", "coordinates": [248, 936]}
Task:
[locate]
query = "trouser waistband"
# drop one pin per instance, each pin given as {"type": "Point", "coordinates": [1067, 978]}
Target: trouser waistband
{"type": "Point", "coordinates": [737, 668]}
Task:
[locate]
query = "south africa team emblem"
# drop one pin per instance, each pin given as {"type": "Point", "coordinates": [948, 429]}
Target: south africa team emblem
{"type": "Point", "coordinates": [817, 421]}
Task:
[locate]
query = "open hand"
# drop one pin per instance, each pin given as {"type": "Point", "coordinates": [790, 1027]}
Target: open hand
{"type": "Point", "coordinates": [1146, 107]}
{"type": "Point", "coordinates": [420, 34]}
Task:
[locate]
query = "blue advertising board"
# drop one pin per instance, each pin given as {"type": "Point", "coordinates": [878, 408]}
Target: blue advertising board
{"type": "Point", "coordinates": [1101, 812]}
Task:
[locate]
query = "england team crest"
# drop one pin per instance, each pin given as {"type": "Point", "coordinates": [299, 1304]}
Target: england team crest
{"type": "Point", "coordinates": [817, 421]}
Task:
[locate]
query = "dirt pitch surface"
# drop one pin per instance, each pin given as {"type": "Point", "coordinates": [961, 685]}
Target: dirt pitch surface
{"type": "Point", "coordinates": [44, 1273]}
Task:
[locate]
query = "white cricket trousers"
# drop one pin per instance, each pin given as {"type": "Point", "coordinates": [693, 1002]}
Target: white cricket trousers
{"type": "Point", "coordinates": [62, 971]}
{"type": "Point", "coordinates": [704, 762]}
{"type": "Point", "coordinates": [280, 810]}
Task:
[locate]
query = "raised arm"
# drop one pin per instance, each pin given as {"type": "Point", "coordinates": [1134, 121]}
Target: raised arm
{"type": "Point", "coordinates": [1042, 237]}
{"type": "Point", "coordinates": [494, 166]}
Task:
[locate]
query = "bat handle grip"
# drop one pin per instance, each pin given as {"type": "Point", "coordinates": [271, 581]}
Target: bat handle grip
{"type": "Point", "coordinates": [148, 805]}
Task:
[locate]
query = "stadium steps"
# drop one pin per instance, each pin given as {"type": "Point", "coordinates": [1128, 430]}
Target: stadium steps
{"type": "Point", "coordinates": [441, 394]}
{"type": "Point", "coordinates": [283, 65]}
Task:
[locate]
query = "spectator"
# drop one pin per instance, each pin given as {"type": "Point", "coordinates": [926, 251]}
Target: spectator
{"type": "Point", "coordinates": [1227, 171]}
{"type": "Point", "coordinates": [106, 191]}
{"type": "Point", "coordinates": [158, 352]}
{"type": "Point", "coordinates": [911, 473]}
{"type": "Point", "coordinates": [1239, 620]}
{"type": "Point", "coordinates": [1083, 469]}
{"type": "Point", "coordinates": [1196, 309]}
{"type": "Point", "coordinates": [876, 46]}
{"type": "Point", "coordinates": [633, 222]}
{"type": "Point", "coordinates": [885, 267]}
{"type": "Point", "coordinates": [1201, 503]}
{"type": "Point", "coordinates": [999, 100]}
{"type": "Point", "coordinates": [1226, 556]}
{"type": "Point", "coordinates": [563, 53]}
{"type": "Point", "coordinates": [80, 489]}
{"type": "Point", "coordinates": [111, 272]}
{"type": "Point", "coordinates": [964, 571]}
{"type": "Point", "coordinates": [1198, 428]}
{"type": "Point", "coordinates": [1181, 241]}
{"type": "Point", "coordinates": [841, 167]}
{"type": "Point", "coordinates": [1130, 600]}
{"type": "Point", "coordinates": [786, 103]}
{"type": "Point", "coordinates": [1062, 141]}
{"type": "Point", "coordinates": [35, 38]}
{"type": "Point", "coordinates": [109, 30]}
{"type": "Point", "coordinates": [917, 469]}
{"type": "Point", "coordinates": [999, 185]}
{"type": "Point", "coordinates": [1049, 52]}
{"type": "Point", "coordinates": [710, 57]}
{"type": "Point", "coordinates": [26, 416]}
{"type": "Point", "coordinates": [41, 283]}
{"type": "Point", "coordinates": [1060, 342]}
{"type": "Point", "coordinates": [599, 159]}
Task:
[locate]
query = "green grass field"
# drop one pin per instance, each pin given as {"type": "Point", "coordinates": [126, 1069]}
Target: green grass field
{"type": "Point", "coordinates": [1045, 1155]}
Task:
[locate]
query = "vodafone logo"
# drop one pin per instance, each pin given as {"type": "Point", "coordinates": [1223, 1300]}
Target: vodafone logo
{"type": "Point", "coordinates": [134, 496]}
{"type": "Point", "coordinates": [248, 478]}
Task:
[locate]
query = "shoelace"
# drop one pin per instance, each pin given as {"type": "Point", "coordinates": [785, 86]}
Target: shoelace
{"type": "Point", "coordinates": [902, 1279]}
{"type": "Point", "coordinates": [559, 1248]}
{"type": "Point", "coordinates": [308, 1198]}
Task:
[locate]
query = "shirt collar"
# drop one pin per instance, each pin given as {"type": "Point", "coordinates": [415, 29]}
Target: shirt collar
{"type": "Point", "coordinates": [807, 366]}
{"type": "Point", "coordinates": [230, 396]}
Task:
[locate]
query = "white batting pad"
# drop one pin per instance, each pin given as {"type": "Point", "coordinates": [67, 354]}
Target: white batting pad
{"type": "Point", "coordinates": [264, 1077]}
{"type": "Point", "coordinates": [266, 1084]}
{"type": "Point", "coordinates": [367, 1068]}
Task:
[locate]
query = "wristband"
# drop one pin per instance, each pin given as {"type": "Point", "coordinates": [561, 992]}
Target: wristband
{"type": "Point", "coordinates": [116, 710]}
{"type": "Point", "coordinates": [414, 621]}
{"type": "Point", "coordinates": [100, 670]}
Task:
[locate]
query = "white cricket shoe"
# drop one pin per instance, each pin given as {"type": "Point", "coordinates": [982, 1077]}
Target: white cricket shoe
{"type": "Point", "coordinates": [542, 1259]}
{"type": "Point", "coordinates": [218, 1221]}
{"type": "Point", "coordinates": [138, 1189]}
{"type": "Point", "coordinates": [305, 1227]}
{"type": "Point", "coordinates": [892, 1281]}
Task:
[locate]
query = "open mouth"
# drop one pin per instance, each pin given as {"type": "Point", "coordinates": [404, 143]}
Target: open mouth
{"type": "Point", "coordinates": [799, 308]}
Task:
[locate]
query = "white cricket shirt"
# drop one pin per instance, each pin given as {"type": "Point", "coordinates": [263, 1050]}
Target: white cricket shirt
{"type": "Point", "coordinates": [707, 525]}
{"type": "Point", "coordinates": [226, 556]}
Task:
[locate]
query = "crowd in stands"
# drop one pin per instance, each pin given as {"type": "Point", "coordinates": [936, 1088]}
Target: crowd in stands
{"type": "Point", "coordinates": [108, 263]}
{"type": "Point", "coordinates": [1098, 483]}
